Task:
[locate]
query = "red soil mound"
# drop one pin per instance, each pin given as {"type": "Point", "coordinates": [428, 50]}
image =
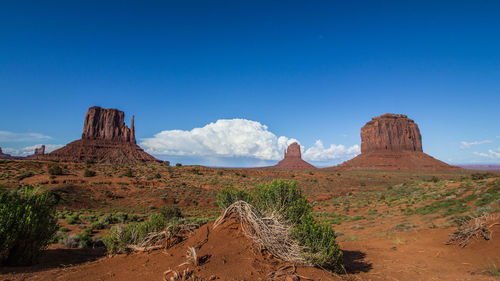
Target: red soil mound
{"type": "Point", "coordinates": [224, 253]}
{"type": "Point", "coordinates": [396, 160]}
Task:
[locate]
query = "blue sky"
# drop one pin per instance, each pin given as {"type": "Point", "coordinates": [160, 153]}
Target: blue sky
{"type": "Point", "coordinates": [302, 70]}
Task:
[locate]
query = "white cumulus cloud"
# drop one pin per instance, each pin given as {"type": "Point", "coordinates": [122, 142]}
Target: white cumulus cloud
{"type": "Point", "coordinates": [465, 145]}
{"type": "Point", "coordinates": [318, 153]}
{"type": "Point", "coordinates": [224, 138]}
{"type": "Point", "coordinates": [6, 136]}
{"type": "Point", "coordinates": [29, 150]}
{"type": "Point", "coordinates": [238, 138]}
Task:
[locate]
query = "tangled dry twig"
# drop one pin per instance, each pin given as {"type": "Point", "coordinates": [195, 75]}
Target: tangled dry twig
{"type": "Point", "coordinates": [268, 232]}
{"type": "Point", "coordinates": [163, 239]}
{"type": "Point", "coordinates": [185, 275]}
{"type": "Point", "coordinates": [474, 228]}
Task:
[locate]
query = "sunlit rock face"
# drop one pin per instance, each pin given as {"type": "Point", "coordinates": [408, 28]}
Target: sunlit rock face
{"type": "Point", "coordinates": [105, 139]}
{"type": "Point", "coordinates": [391, 132]}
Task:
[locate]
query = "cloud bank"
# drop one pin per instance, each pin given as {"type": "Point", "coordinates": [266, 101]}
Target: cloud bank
{"type": "Point", "coordinates": [492, 154]}
{"type": "Point", "coordinates": [237, 138]}
{"type": "Point", "coordinates": [318, 153]}
{"type": "Point", "coordinates": [465, 145]}
{"type": "Point", "coordinates": [30, 150]}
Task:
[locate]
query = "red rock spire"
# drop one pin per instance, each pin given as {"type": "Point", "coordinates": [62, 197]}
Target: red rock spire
{"type": "Point", "coordinates": [132, 129]}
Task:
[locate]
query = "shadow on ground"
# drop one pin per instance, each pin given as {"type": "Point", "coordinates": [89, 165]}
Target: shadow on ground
{"type": "Point", "coordinates": [54, 258]}
{"type": "Point", "coordinates": [354, 262]}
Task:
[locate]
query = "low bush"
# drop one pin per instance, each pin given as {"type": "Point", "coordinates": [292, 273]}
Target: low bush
{"type": "Point", "coordinates": [228, 195]}
{"type": "Point", "coordinates": [28, 222]}
{"type": "Point", "coordinates": [119, 237]}
{"type": "Point", "coordinates": [55, 170]}
{"type": "Point", "coordinates": [24, 175]}
{"type": "Point", "coordinates": [286, 199]}
{"type": "Point", "coordinates": [128, 173]}
{"type": "Point", "coordinates": [89, 173]}
{"type": "Point", "coordinates": [73, 218]}
{"type": "Point", "coordinates": [170, 212]}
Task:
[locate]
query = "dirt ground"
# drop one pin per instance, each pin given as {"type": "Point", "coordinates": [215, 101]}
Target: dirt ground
{"type": "Point", "coordinates": [385, 227]}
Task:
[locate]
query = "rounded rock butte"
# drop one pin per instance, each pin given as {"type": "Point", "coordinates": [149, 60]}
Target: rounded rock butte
{"type": "Point", "coordinates": [393, 142]}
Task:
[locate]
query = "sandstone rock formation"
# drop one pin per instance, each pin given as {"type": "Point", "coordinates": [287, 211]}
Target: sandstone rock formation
{"type": "Point", "coordinates": [107, 125]}
{"type": "Point", "coordinates": [391, 132]}
{"type": "Point", "coordinates": [293, 160]}
{"type": "Point", "coordinates": [40, 151]}
{"type": "Point", "coordinates": [393, 142]}
{"type": "Point", "coordinates": [105, 139]}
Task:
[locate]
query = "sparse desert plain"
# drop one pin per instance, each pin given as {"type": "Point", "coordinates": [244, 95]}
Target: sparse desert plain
{"type": "Point", "coordinates": [389, 225]}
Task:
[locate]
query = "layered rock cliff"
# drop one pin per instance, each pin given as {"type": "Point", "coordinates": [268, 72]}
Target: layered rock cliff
{"type": "Point", "coordinates": [390, 132]}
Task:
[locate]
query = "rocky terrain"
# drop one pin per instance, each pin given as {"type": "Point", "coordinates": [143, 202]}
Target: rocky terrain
{"type": "Point", "coordinates": [393, 142]}
{"type": "Point", "coordinates": [105, 139]}
{"type": "Point", "coordinates": [293, 160]}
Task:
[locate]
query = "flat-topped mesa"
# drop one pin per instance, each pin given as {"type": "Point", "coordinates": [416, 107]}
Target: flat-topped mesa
{"type": "Point", "coordinates": [107, 124]}
{"type": "Point", "coordinates": [391, 132]}
{"type": "Point", "coordinates": [40, 151]}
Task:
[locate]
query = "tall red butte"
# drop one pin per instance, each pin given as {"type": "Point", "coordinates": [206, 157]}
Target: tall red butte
{"type": "Point", "coordinates": [393, 142]}
{"type": "Point", "coordinates": [293, 160]}
{"type": "Point", "coordinates": [105, 139]}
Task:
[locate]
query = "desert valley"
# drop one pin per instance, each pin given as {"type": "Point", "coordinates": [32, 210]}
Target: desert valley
{"type": "Point", "coordinates": [249, 140]}
{"type": "Point", "coordinates": [395, 213]}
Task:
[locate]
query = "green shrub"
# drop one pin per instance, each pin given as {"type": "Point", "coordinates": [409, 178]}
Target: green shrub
{"type": "Point", "coordinates": [120, 217]}
{"type": "Point", "coordinates": [228, 195]}
{"type": "Point", "coordinates": [55, 170]}
{"type": "Point", "coordinates": [73, 218]}
{"type": "Point", "coordinates": [277, 195]}
{"type": "Point", "coordinates": [319, 242]}
{"type": "Point", "coordinates": [481, 176]}
{"type": "Point", "coordinates": [84, 239]}
{"type": "Point", "coordinates": [89, 173]}
{"type": "Point", "coordinates": [170, 212]}
{"type": "Point", "coordinates": [178, 165]}
{"type": "Point", "coordinates": [119, 237]}
{"type": "Point", "coordinates": [157, 176]}
{"type": "Point", "coordinates": [285, 198]}
{"type": "Point", "coordinates": [25, 175]}
{"type": "Point", "coordinates": [318, 239]}
{"type": "Point", "coordinates": [28, 223]}
{"type": "Point", "coordinates": [129, 173]}
{"type": "Point", "coordinates": [89, 162]}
